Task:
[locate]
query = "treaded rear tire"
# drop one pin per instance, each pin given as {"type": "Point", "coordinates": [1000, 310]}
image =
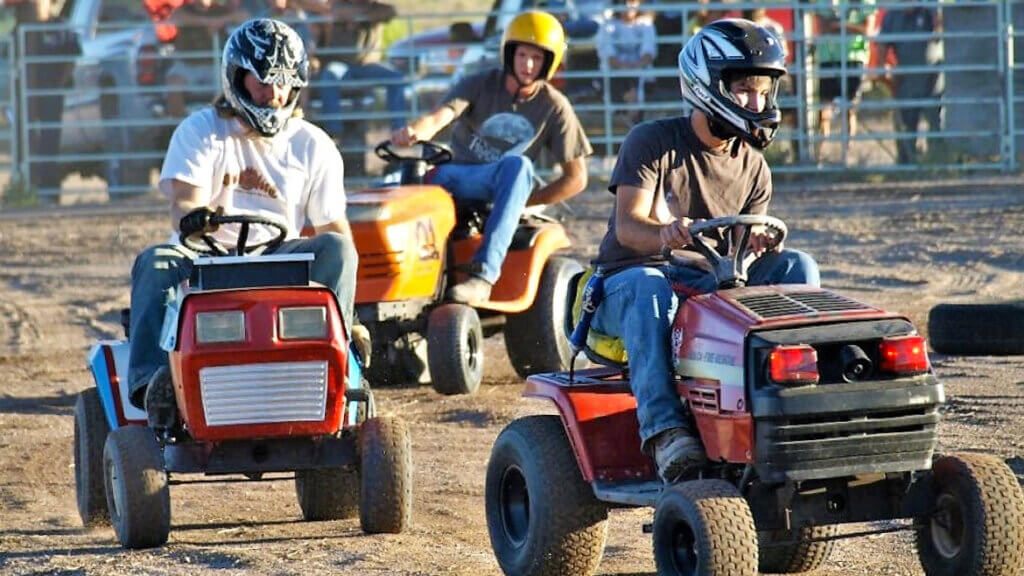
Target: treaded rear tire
{"type": "Point", "coordinates": [978, 527]}
{"type": "Point", "coordinates": [91, 430]}
{"type": "Point", "coordinates": [385, 498]}
{"type": "Point", "coordinates": [542, 517]}
{"type": "Point", "coordinates": [455, 349]}
{"type": "Point", "coordinates": [136, 485]}
{"type": "Point", "coordinates": [704, 528]}
{"type": "Point", "coordinates": [795, 558]}
{"type": "Point", "coordinates": [535, 339]}
{"type": "Point", "coordinates": [977, 328]}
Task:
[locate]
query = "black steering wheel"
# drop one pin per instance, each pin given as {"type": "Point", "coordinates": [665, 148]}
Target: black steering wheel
{"type": "Point", "coordinates": [211, 245]}
{"type": "Point", "coordinates": [730, 269]}
{"type": "Point", "coordinates": [433, 153]}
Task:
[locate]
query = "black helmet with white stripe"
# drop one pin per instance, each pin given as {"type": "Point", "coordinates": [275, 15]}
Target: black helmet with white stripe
{"type": "Point", "coordinates": [720, 53]}
{"type": "Point", "coordinates": [274, 53]}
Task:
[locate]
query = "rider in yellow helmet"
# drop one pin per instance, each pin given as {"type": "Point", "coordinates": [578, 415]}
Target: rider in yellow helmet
{"type": "Point", "coordinates": [503, 118]}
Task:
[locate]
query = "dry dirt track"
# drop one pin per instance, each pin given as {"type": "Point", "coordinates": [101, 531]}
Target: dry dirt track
{"type": "Point", "coordinates": [63, 280]}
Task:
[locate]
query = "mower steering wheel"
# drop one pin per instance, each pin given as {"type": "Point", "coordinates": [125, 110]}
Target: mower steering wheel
{"type": "Point", "coordinates": [730, 269]}
{"type": "Point", "coordinates": [433, 153]}
{"type": "Point", "coordinates": [211, 245]}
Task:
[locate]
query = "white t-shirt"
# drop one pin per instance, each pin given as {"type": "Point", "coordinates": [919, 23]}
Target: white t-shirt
{"type": "Point", "coordinates": [626, 42]}
{"type": "Point", "coordinates": [292, 177]}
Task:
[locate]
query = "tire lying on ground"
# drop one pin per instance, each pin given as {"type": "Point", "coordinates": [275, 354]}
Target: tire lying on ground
{"type": "Point", "coordinates": [977, 328]}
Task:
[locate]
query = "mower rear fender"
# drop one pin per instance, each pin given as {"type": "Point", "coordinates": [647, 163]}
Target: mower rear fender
{"type": "Point", "coordinates": [599, 414]}
{"type": "Point", "coordinates": [108, 363]}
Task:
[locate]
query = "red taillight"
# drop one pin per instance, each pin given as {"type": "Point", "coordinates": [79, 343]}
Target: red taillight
{"type": "Point", "coordinates": [793, 365]}
{"type": "Point", "coordinates": [903, 355]}
{"type": "Point", "coordinates": [145, 66]}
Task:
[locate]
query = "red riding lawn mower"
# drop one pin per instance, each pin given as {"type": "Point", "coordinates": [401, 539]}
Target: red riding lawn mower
{"type": "Point", "coordinates": [815, 410]}
{"type": "Point", "coordinates": [266, 382]}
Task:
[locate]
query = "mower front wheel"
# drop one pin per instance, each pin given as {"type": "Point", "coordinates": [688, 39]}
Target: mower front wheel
{"type": "Point", "coordinates": [385, 496]}
{"type": "Point", "coordinates": [704, 528]}
{"type": "Point", "coordinates": [328, 494]}
{"type": "Point", "coordinates": [136, 485]}
{"type": "Point", "coordinates": [805, 555]}
{"type": "Point", "coordinates": [455, 349]}
{"type": "Point", "coordinates": [976, 523]}
{"type": "Point", "coordinates": [91, 430]}
{"type": "Point", "coordinates": [542, 516]}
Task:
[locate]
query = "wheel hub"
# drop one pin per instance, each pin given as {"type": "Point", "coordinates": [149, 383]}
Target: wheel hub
{"type": "Point", "coordinates": [515, 506]}
{"type": "Point", "coordinates": [947, 526]}
{"type": "Point", "coordinates": [684, 550]}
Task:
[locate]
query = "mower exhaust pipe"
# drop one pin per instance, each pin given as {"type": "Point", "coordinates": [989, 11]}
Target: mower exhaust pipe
{"type": "Point", "coordinates": [855, 363]}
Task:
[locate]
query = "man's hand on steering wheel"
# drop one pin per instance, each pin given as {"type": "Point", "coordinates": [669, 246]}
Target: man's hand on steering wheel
{"type": "Point", "coordinates": [404, 136]}
{"type": "Point", "coordinates": [676, 234]}
{"type": "Point", "coordinates": [763, 241]}
{"type": "Point", "coordinates": [198, 221]}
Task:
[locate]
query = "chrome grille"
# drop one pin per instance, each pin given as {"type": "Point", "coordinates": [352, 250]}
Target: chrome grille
{"type": "Point", "coordinates": [803, 303]}
{"type": "Point", "coordinates": [264, 393]}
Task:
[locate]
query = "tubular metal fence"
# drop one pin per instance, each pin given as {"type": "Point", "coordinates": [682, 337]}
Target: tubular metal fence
{"type": "Point", "coordinates": [116, 120]}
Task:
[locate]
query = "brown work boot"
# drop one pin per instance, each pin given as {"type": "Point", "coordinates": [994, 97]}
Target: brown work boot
{"type": "Point", "coordinates": [677, 454]}
{"type": "Point", "coordinates": [475, 289]}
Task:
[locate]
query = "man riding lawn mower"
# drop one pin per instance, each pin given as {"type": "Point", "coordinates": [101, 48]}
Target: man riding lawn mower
{"type": "Point", "coordinates": [431, 267]}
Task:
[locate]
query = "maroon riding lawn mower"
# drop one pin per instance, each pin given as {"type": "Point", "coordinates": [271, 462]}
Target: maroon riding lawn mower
{"type": "Point", "coordinates": [815, 410]}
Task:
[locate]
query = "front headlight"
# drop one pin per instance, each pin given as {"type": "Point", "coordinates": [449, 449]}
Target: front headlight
{"type": "Point", "coordinates": [306, 323]}
{"type": "Point", "coordinates": [212, 327]}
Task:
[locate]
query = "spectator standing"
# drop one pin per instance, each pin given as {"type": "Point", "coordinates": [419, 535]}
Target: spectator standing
{"type": "Point", "coordinates": [859, 22]}
{"type": "Point", "coordinates": [354, 37]}
{"type": "Point", "coordinates": [627, 43]}
{"type": "Point", "coordinates": [48, 108]}
{"type": "Point", "coordinates": [914, 86]}
{"type": "Point", "coordinates": [198, 23]}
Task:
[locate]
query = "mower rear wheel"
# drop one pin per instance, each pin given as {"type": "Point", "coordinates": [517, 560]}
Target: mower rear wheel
{"type": "Point", "coordinates": [542, 516]}
{"type": "Point", "coordinates": [455, 349]}
{"type": "Point", "coordinates": [328, 494]}
{"type": "Point", "coordinates": [385, 496]}
{"type": "Point", "coordinates": [91, 430]}
{"type": "Point", "coordinates": [136, 485]}
{"type": "Point", "coordinates": [977, 328]}
{"type": "Point", "coordinates": [704, 528]}
{"type": "Point", "coordinates": [795, 558]}
{"type": "Point", "coordinates": [535, 339]}
{"type": "Point", "coordinates": [976, 523]}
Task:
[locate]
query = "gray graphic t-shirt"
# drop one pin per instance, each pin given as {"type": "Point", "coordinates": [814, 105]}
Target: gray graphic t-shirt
{"type": "Point", "coordinates": [687, 178]}
{"type": "Point", "coordinates": [492, 124]}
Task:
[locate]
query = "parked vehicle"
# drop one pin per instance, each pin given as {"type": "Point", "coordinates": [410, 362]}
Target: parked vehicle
{"type": "Point", "coordinates": [266, 381]}
{"type": "Point", "coordinates": [815, 410]}
{"type": "Point", "coordinates": [115, 103]}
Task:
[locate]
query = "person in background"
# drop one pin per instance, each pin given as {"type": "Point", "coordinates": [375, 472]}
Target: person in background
{"type": "Point", "coordinates": [199, 23]}
{"type": "Point", "coordinates": [917, 85]}
{"type": "Point", "coordinates": [626, 43]}
{"type": "Point", "coordinates": [503, 118]}
{"type": "Point", "coordinates": [858, 20]}
{"type": "Point", "coordinates": [46, 176]}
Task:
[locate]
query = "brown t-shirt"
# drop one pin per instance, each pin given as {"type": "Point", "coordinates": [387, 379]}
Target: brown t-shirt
{"type": "Point", "coordinates": [492, 123]}
{"type": "Point", "coordinates": [687, 178]}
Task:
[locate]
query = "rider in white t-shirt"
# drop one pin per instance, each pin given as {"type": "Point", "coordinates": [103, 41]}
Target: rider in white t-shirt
{"type": "Point", "coordinates": [249, 153]}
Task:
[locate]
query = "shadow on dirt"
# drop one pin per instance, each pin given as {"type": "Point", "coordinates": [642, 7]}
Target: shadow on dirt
{"type": "Point", "coordinates": [61, 404]}
{"type": "Point", "coordinates": [477, 418]}
{"type": "Point", "coordinates": [1017, 465]}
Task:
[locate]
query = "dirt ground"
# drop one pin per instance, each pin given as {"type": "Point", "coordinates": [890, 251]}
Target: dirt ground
{"type": "Point", "coordinates": [64, 278]}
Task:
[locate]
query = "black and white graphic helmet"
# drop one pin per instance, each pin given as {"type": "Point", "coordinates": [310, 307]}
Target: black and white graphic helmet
{"type": "Point", "coordinates": [716, 55]}
{"type": "Point", "coordinates": [274, 53]}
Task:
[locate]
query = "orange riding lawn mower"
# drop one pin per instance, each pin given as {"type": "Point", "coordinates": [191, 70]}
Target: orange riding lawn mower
{"type": "Point", "coordinates": [414, 242]}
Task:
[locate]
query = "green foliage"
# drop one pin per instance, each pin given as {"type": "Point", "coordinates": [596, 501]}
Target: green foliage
{"type": "Point", "coordinates": [18, 194]}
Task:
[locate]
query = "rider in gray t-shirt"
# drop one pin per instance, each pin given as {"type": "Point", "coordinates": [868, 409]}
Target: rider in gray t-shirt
{"type": "Point", "coordinates": [671, 173]}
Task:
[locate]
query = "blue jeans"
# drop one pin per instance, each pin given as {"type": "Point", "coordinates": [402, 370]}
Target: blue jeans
{"type": "Point", "coordinates": [160, 269]}
{"type": "Point", "coordinates": [507, 185]}
{"type": "Point", "coordinates": [640, 306]}
{"type": "Point", "coordinates": [394, 85]}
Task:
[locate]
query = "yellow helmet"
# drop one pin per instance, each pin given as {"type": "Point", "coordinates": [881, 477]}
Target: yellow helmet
{"type": "Point", "coordinates": [538, 29]}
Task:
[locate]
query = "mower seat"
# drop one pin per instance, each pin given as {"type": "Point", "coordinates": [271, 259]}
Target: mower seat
{"type": "Point", "coordinates": [600, 348]}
